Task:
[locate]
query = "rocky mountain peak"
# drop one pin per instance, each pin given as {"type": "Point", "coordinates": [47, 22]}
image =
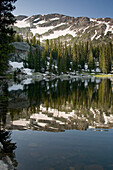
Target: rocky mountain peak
{"type": "Point", "coordinates": [52, 26]}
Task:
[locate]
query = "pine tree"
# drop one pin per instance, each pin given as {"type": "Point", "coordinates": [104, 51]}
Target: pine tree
{"type": "Point", "coordinates": [70, 57]}
{"type": "Point", "coordinates": [91, 64]}
{"type": "Point", "coordinates": [44, 62]}
{"type": "Point", "coordinates": [34, 41]}
{"type": "Point", "coordinates": [30, 59]}
{"type": "Point", "coordinates": [47, 48]}
{"type": "Point", "coordinates": [6, 32]}
{"type": "Point", "coordinates": [82, 55]}
{"type": "Point", "coordinates": [18, 38]}
{"type": "Point", "coordinates": [102, 58]}
{"type": "Point", "coordinates": [35, 62]}
{"type": "Point", "coordinates": [86, 51]}
{"type": "Point", "coordinates": [67, 58]}
{"type": "Point", "coordinates": [50, 62]}
{"type": "Point", "coordinates": [64, 58]}
{"type": "Point", "coordinates": [39, 59]}
{"type": "Point", "coordinates": [59, 57]}
{"type": "Point", "coordinates": [75, 58]}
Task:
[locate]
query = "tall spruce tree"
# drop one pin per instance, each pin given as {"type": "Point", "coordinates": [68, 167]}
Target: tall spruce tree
{"type": "Point", "coordinates": [38, 60]}
{"type": "Point", "coordinates": [31, 59]}
{"type": "Point", "coordinates": [91, 64]}
{"type": "Point", "coordinates": [7, 19]}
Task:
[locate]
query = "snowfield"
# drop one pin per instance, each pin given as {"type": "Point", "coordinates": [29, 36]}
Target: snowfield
{"type": "Point", "coordinates": [59, 33]}
{"type": "Point", "coordinates": [22, 24]}
{"type": "Point", "coordinates": [42, 30]}
{"type": "Point", "coordinates": [52, 34]}
{"type": "Point", "coordinates": [16, 65]}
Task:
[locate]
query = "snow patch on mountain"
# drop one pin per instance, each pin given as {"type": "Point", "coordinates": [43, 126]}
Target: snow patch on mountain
{"type": "Point", "coordinates": [42, 22]}
{"type": "Point", "coordinates": [85, 29]}
{"type": "Point", "coordinates": [94, 35]}
{"type": "Point", "coordinates": [37, 19]}
{"type": "Point", "coordinates": [22, 24]}
{"type": "Point", "coordinates": [42, 30]}
{"type": "Point", "coordinates": [98, 37]}
{"type": "Point", "coordinates": [59, 33]}
{"type": "Point", "coordinates": [107, 29]}
{"type": "Point", "coordinates": [53, 19]}
{"type": "Point", "coordinates": [92, 20]}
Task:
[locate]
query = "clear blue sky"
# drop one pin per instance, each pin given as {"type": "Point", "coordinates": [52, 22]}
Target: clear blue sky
{"type": "Point", "coordinates": [75, 8]}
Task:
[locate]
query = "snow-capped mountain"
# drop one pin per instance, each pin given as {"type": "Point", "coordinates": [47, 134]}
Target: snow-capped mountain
{"type": "Point", "coordinates": [52, 26]}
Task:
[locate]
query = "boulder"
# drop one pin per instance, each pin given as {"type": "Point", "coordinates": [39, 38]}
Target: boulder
{"type": "Point", "coordinates": [21, 51]}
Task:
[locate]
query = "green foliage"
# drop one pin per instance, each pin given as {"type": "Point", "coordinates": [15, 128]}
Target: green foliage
{"type": "Point", "coordinates": [105, 57]}
{"type": "Point", "coordinates": [6, 32]}
{"type": "Point", "coordinates": [30, 59]}
{"type": "Point", "coordinates": [38, 60]}
{"type": "Point", "coordinates": [91, 63]}
{"type": "Point", "coordinates": [18, 38]}
{"type": "Point", "coordinates": [71, 58]}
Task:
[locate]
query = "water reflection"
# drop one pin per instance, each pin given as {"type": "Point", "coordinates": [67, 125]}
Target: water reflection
{"type": "Point", "coordinates": [7, 154]}
{"type": "Point", "coordinates": [58, 105]}
{"type": "Point", "coordinates": [7, 147]}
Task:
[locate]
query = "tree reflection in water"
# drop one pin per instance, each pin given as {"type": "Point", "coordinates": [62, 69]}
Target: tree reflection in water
{"type": "Point", "coordinates": [7, 154]}
{"type": "Point", "coordinates": [7, 147]}
{"type": "Point", "coordinates": [59, 105]}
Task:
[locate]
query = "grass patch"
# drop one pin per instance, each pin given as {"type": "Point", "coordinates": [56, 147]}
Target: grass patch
{"type": "Point", "coordinates": [103, 75]}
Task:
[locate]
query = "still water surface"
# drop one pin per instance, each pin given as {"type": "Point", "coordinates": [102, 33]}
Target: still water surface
{"type": "Point", "coordinates": [58, 124]}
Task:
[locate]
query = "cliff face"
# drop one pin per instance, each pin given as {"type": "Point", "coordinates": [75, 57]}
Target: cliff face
{"type": "Point", "coordinates": [52, 26]}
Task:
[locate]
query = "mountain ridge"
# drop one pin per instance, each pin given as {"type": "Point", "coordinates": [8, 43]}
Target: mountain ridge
{"type": "Point", "coordinates": [53, 26]}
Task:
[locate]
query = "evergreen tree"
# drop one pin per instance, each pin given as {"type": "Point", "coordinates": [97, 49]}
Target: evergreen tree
{"type": "Point", "coordinates": [70, 57]}
{"type": "Point", "coordinates": [59, 58]}
{"type": "Point", "coordinates": [82, 55]}
{"type": "Point", "coordinates": [75, 57]}
{"type": "Point", "coordinates": [47, 48]}
{"type": "Point", "coordinates": [44, 62]}
{"type": "Point", "coordinates": [6, 32]}
{"type": "Point", "coordinates": [50, 62]}
{"type": "Point", "coordinates": [86, 51]}
{"type": "Point", "coordinates": [39, 59]}
{"type": "Point", "coordinates": [67, 58]}
{"type": "Point", "coordinates": [105, 59]}
{"type": "Point", "coordinates": [64, 58]}
{"type": "Point", "coordinates": [30, 59]}
{"type": "Point", "coordinates": [34, 41]}
{"type": "Point", "coordinates": [35, 62]}
{"type": "Point", "coordinates": [91, 64]}
{"type": "Point", "coordinates": [18, 38]}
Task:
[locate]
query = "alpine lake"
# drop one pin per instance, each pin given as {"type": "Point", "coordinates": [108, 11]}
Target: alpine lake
{"type": "Point", "coordinates": [57, 125]}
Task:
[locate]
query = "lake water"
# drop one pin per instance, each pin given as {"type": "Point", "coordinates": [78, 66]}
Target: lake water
{"type": "Point", "coordinates": [58, 125]}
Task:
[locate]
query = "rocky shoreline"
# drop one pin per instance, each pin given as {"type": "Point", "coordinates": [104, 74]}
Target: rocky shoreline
{"type": "Point", "coordinates": [5, 162]}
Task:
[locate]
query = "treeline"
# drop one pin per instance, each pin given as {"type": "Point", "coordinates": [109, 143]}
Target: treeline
{"type": "Point", "coordinates": [58, 57]}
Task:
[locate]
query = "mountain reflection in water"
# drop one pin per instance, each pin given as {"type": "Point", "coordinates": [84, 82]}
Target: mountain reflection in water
{"type": "Point", "coordinates": [58, 105]}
